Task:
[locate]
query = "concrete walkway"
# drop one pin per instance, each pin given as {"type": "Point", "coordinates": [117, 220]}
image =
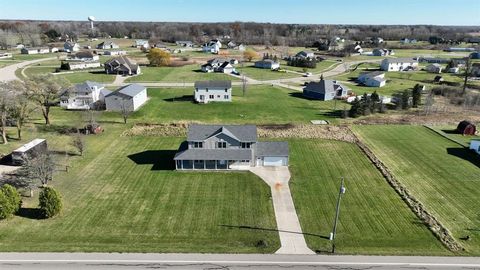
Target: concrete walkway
{"type": "Point", "coordinates": [291, 235]}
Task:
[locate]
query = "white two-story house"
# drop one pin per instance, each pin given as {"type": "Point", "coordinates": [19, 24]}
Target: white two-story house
{"type": "Point", "coordinates": [212, 91]}
{"type": "Point", "coordinates": [84, 96]}
{"type": "Point", "coordinates": [213, 46]}
{"type": "Point", "coordinates": [399, 64]}
{"type": "Point", "coordinates": [228, 147]}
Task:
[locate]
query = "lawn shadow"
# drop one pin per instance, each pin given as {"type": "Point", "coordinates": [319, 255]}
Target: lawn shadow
{"type": "Point", "coordinates": [198, 71]}
{"type": "Point", "coordinates": [332, 113]}
{"type": "Point", "coordinates": [300, 95]}
{"type": "Point", "coordinates": [465, 154]}
{"type": "Point", "coordinates": [450, 131]}
{"type": "Point", "coordinates": [184, 98]}
{"type": "Point", "coordinates": [161, 160]}
{"type": "Point", "coordinates": [31, 213]}
{"type": "Point", "coordinates": [246, 227]}
{"type": "Point", "coordinates": [6, 160]}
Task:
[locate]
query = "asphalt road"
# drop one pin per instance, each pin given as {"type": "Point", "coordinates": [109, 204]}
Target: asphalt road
{"type": "Point", "coordinates": [7, 73]}
{"type": "Point", "coordinates": [226, 261]}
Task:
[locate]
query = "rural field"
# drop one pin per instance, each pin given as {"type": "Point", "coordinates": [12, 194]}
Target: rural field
{"type": "Point", "coordinates": [168, 105]}
{"type": "Point", "coordinates": [441, 174]}
{"type": "Point", "coordinates": [373, 218]}
{"type": "Point", "coordinates": [129, 199]}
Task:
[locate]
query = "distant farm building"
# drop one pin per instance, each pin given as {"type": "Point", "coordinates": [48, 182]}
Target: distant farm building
{"type": "Point", "coordinates": [466, 128]}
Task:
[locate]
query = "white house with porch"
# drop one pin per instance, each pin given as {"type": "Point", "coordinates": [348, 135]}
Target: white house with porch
{"type": "Point", "coordinates": [84, 96]}
{"type": "Point", "coordinates": [212, 91]}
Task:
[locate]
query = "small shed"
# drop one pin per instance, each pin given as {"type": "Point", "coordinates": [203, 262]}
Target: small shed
{"type": "Point", "coordinates": [466, 128]}
{"type": "Point", "coordinates": [28, 151]}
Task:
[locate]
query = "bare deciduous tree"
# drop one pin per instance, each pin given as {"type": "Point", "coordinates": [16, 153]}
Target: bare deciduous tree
{"type": "Point", "coordinates": [6, 101]}
{"type": "Point", "coordinates": [79, 143]}
{"type": "Point", "coordinates": [22, 107]}
{"type": "Point", "coordinates": [125, 111]}
{"type": "Point", "coordinates": [38, 168]}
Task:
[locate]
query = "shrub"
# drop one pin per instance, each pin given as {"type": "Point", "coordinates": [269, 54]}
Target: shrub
{"type": "Point", "coordinates": [50, 202]}
{"type": "Point", "coordinates": [5, 207]}
{"type": "Point", "coordinates": [13, 196]}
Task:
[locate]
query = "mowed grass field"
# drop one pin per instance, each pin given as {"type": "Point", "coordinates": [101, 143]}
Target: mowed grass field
{"type": "Point", "coordinates": [373, 218]}
{"type": "Point", "coordinates": [188, 73]}
{"type": "Point", "coordinates": [442, 174]}
{"type": "Point", "coordinates": [123, 196]}
{"type": "Point", "coordinates": [261, 104]}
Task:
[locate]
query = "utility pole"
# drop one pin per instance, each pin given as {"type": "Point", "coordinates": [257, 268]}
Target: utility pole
{"type": "Point", "coordinates": [337, 213]}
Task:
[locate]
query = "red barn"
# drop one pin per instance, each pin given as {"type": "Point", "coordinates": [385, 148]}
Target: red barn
{"type": "Point", "coordinates": [466, 128]}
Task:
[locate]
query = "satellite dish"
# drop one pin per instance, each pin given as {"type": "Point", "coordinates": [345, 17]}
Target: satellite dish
{"type": "Point", "coordinates": [91, 18]}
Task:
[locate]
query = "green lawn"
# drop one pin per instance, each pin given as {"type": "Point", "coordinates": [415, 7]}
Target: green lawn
{"type": "Point", "coordinates": [79, 76]}
{"type": "Point", "coordinates": [443, 175]}
{"type": "Point", "coordinates": [261, 74]}
{"type": "Point", "coordinates": [373, 218]}
{"type": "Point", "coordinates": [450, 132]}
{"type": "Point", "coordinates": [188, 73]}
{"type": "Point", "coordinates": [262, 104]}
{"type": "Point", "coordinates": [128, 199]}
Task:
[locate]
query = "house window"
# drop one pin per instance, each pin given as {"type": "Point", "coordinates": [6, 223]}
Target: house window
{"type": "Point", "coordinates": [206, 89]}
{"type": "Point", "coordinates": [218, 96]}
{"type": "Point", "coordinates": [246, 145]}
{"type": "Point", "coordinates": [196, 89]}
{"type": "Point", "coordinates": [221, 144]}
{"type": "Point", "coordinates": [197, 144]}
{"type": "Point", "coordinates": [212, 96]}
{"type": "Point", "coordinates": [225, 96]}
{"type": "Point", "coordinates": [226, 90]}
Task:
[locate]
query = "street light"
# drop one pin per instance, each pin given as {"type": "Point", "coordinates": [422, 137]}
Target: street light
{"type": "Point", "coordinates": [337, 213]}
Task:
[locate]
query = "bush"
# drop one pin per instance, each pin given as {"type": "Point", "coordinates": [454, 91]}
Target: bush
{"type": "Point", "coordinates": [50, 202]}
{"type": "Point", "coordinates": [13, 196]}
{"type": "Point", "coordinates": [5, 207]}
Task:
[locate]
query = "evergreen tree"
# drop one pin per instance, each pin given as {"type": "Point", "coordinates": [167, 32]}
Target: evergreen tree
{"type": "Point", "coordinates": [50, 202]}
{"type": "Point", "coordinates": [416, 95]}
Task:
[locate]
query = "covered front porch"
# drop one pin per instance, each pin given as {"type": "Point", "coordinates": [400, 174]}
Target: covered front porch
{"type": "Point", "coordinates": [212, 164]}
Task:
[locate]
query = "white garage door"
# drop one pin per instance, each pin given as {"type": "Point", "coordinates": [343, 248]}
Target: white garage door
{"type": "Point", "coordinates": [274, 161]}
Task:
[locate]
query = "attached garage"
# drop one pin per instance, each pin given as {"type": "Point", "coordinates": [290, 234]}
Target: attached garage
{"type": "Point", "coordinates": [272, 154]}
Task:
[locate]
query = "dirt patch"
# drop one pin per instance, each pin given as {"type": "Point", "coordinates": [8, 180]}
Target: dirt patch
{"type": "Point", "coordinates": [339, 133]}
{"type": "Point", "coordinates": [440, 231]}
{"type": "Point", "coordinates": [178, 129]}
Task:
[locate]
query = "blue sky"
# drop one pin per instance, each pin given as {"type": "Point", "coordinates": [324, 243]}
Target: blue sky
{"type": "Point", "coordinates": [443, 12]}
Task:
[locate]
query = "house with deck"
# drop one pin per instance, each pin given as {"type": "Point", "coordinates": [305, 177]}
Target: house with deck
{"type": "Point", "coordinates": [108, 45]}
{"type": "Point", "coordinates": [434, 68]}
{"type": "Point", "coordinates": [213, 46]}
{"type": "Point", "coordinates": [212, 91]}
{"type": "Point", "coordinates": [70, 46]}
{"type": "Point", "coordinates": [372, 79]}
{"type": "Point", "coordinates": [84, 96]}
{"type": "Point", "coordinates": [325, 90]}
{"type": "Point", "coordinates": [122, 65]}
{"type": "Point", "coordinates": [267, 64]}
{"type": "Point", "coordinates": [221, 65]}
{"type": "Point", "coordinates": [399, 64]}
{"type": "Point", "coordinates": [228, 147]}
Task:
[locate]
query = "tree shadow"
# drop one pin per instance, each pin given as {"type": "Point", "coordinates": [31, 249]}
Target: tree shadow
{"type": "Point", "coordinates": [246, 227]}
{"type": "Point", "coordinates": [31, 213]}
{"type": "Point", "coordinates": [6, 160]}
{"type": "Point", "coordinates": [184, 98]}
{"type": "Point", "coordinates": [332, 113]}
{"type": "Point", "coordinates": [161, 160]}
{"type": "Point", "coordinates": [450, 131]}
{"type": "Point", "coordinates": [198, 71]}
{"type": "Point", "coordinates": [465, 154]}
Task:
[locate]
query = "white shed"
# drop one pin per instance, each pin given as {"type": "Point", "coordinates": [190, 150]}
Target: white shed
{"type": "Point", "coordinates": [130, 97]}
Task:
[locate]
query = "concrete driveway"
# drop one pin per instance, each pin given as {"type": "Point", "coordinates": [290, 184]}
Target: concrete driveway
{"type": "Point", "coordinates": [7, 73]}
{"type": "Point", "coordinates": [291, 235]}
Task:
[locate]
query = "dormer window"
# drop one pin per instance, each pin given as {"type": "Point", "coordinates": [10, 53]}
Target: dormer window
{"type": "Point", "coordinates": [221, 144]}
{"type": "Point", "coordinates": [197, 144]}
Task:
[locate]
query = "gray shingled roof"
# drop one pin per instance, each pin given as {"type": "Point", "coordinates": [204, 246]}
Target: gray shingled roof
{"type": "Point", "coordinates": [87, 86]}
{"type": "Point", "coordinates": [129, 91]}
{"type": "Point", "coordinates": [214, 154]}
{"type": "Point", "coordinates": [372, 74]}
{"type": "Point", "coordinates": [213, 84]}
{"type": "Point", "coordinates": [244, 133]}
{"type": "Point", "coordinates": [323, 86]}
{"type": "Point", "coordinates": [272, 149]}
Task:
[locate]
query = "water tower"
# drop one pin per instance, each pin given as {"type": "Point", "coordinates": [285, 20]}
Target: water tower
{"type": "Point", "coordinates": [91, 19]}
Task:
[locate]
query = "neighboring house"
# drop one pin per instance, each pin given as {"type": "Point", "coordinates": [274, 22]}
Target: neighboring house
{"type": "Point", "coordinates": [115, 53]}
{"type": "Point", "coordinates": [53, 49]}
{"type": "Point", "coordinates": [267, 64]}
{"type": "Point", "coordinates": [107, 45]}
{"type": "Point", "coordinates": [325, 90]}
{"type": "Point", "coordinates": [460, 50]}
{"type": "Point", "coordinates": [305, 54]}
{"type": "Point", "coordinates": [213, 91]}
{"type": "Point", "coordinates": [434, 68]}
{"type": "Point", "coordinates": [373, 79]}
{"type": "Point", "coordinates": [35, 50]}
{"type": "Point", "coordinates": [399, 64]}
{"type": "Point", "coordinates": [86, 56]}
{"type": "Point", "coordinates": [382, 52]}
{"type": "Point", "coordinates": [408, 41]}
{"type": "Point", "coordinates": [438, 79]}
{"type": "Point", "coordinates": [473, 40]}
{"type": "Point", "coordinates": [377, 40]}
{"type": "Point", "coordinates": [83, 96]}
{"type": "Point", "coordinates": [71, 46]}
{"type": "Point", "coordinates": [127, 98]}
{"type": "Point", "coordinates": [434, 60]}
{"type": "Point", "coordinates": [454, 70]}
{"type": "Point", "coordinates": [122, 66]}
{"type": "Point", "coordinates": [228, 147]}
{"type": "Point", "coordinates": [212, 46]}
{"type": "Point", "coordinates": [475, 70]}
{"type": "Point", "coordinates": [76, 65]}
{"type": "Point", "coordinates": [141, 44]}
{"type": "Point", "coordinates": [358, 49]}
{"type": "Point", "coordinates": [232, 45]}
{"type": "Point", "coordinates": [219, 65]}
{"type": "Point", "coordinates": [5, 55]}
{"type": "Point", "coordinates": [184, 43]}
